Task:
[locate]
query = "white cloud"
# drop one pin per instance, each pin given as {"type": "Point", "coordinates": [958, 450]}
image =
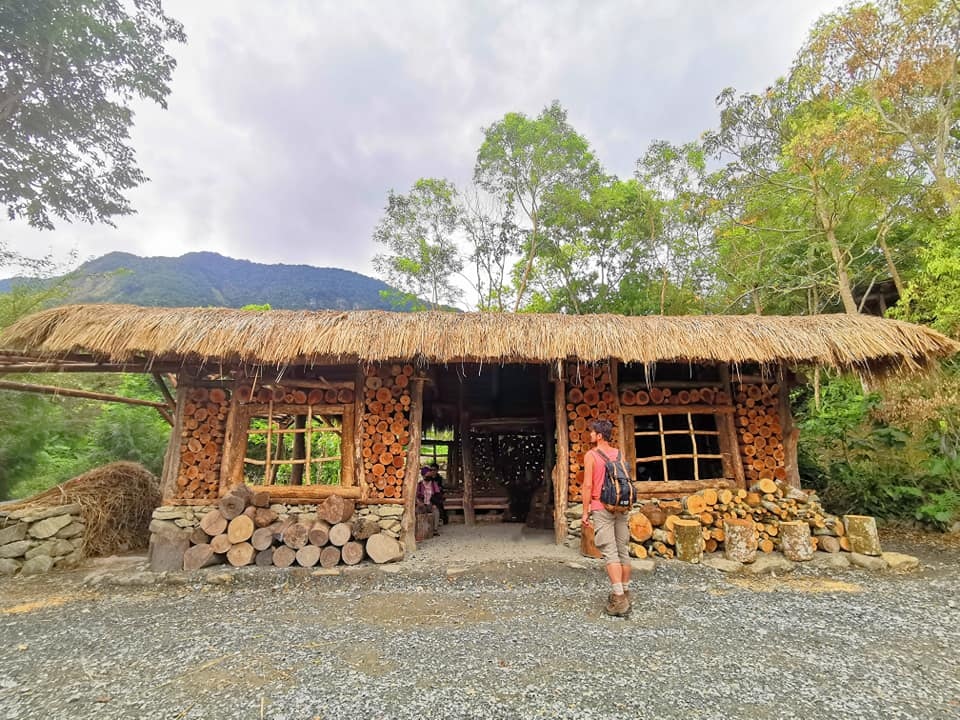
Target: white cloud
{"type": "Point", "coordinates": [290, 121]}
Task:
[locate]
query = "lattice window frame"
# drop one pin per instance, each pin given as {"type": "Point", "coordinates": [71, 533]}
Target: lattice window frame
{"type": "Point", "coordinates": [345, 412]}
{"type": "Point", "coordinates": [722, 417]}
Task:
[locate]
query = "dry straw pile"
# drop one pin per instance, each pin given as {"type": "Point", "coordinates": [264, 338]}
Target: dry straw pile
{"type": "Point", "coordinates": [116, 502]}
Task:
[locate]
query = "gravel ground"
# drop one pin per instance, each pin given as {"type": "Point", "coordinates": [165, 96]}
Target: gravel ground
{"type": "Point", "coordinates": [457, 631]}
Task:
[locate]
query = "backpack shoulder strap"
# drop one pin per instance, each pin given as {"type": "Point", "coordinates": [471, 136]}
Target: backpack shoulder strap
{"type": "Point", "coordinates": [602, 454]}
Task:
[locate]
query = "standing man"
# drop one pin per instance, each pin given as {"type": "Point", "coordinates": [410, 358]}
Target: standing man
{"type": "Point", "coordinates": [611, 531]}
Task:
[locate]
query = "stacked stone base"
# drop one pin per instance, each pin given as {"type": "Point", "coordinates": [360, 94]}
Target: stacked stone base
{"type": "Point", "coordinates": [38, 539]}
{"type": "Point", "coordinates": [173, 526]}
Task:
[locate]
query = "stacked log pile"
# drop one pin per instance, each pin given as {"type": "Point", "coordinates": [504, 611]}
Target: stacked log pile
{"type": "Point", "coordinates": [591, 396]}
{"type": "Point", "coordinates": [640, 396]}
{"type": "Point", "coordinates": [384, 429]}
{"type": "Point", "coordinates": [201, 442]}
{"type": "Point", "coordinates": [245, 530]}
{"type": "Point", "coordinates": [292, 394]}
{"type": "Point", "coordinates": [767, 507]}
{"type": "Point", "coordinates": [760, 436]}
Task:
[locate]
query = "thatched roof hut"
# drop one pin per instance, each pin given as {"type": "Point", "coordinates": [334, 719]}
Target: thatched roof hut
{"type": "Point", "coordinates": [309, 406]}
{"type": "Point", "coordinates": [131, 334]}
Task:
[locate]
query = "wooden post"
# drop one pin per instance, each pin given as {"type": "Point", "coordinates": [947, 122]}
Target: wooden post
{"type": "Point", "coordinates": [466, 446]}
{"type": "Point", "coordinates": [412, 472]}
{"type": "Point", "coordinates": [729, 441]}
{"type": "Point", "coordinates": [791, 436]}
{"type": "Point", "coordinates": [359, 476]}
{"type": "Point", "coordinates": [549, 421]}
{"type": "Point", "coordinates": [562, 468]}
{"type": "Point", "coordinates": [618, 416]}
{"type": "Point", "coordinates": [234, 444]}
{"type": "Point", "coordinates": [171, 458]}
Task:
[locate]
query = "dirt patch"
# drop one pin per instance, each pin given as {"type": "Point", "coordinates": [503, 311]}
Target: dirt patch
{"type": "Point", "coordinates": [794, 584]}
{"type": "Point", "coordinates": [45, 603]}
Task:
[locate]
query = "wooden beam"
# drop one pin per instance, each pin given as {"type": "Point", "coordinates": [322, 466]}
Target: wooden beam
{"type": "Point", "coordinates": [678, 488]}
{"type": "Point", "coordinates": [412, 470]}
{"type": "Point", "coordinates": [68, 392]}
{"type": "Point", "coordinates": [696, 409]}
{"type": "Point", "coordinates": [309, 493]}
{"type": "Point", "coordinates": [165, 391]}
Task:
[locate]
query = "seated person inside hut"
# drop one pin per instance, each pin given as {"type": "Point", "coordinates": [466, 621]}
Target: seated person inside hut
{"type": "Point", "coordinates": [437, 498]}
{"type": "Point", "coordinates": [426, 489]}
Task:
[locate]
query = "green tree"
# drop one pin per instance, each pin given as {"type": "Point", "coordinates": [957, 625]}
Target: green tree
{"type": "Point", "coordinates": [816, 166]}
{"type": "Point", "coordinates": [130, 432]}
{"type": "Point", "coordinates": [69, 72]}
{"type": "Point", "coordinates": [682, 226]}
{"type": "Point", "coordinates": [521, 160]}
{"type": "Point", "coordinates": [418, 231]}
{"type": "Point", "coordinates": [595, 241]}
{"type": "Point", "coordinates": [491, 235]}
{"type": "Point", "coordinates": [933, 295]}
{"type": "Point", "coordinates": [897, 59]}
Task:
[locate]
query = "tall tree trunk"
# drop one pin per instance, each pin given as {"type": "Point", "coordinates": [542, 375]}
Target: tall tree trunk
{"type": "Point", "coordinates": [839, 262]}
{"type": "Point", "coordinates": [663, 292]}
{"type": "Point", "coordinates": [888, 256]}
{"type": "Point", "coordinates": [530, 256]}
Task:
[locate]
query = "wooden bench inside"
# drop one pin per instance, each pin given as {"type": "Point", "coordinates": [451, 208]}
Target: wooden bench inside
{"type": "Point", "coordinates": [498, 502]}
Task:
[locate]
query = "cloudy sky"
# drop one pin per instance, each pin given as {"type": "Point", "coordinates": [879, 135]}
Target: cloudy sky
{"type": "Point", "coordinates": [289, 122]}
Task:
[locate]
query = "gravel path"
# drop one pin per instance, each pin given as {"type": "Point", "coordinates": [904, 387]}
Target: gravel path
{"type": "Point", "coordinates": [458, 632]}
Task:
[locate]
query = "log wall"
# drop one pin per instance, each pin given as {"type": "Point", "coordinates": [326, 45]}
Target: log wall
{"type": "Point", "coordinates": [759, 431]}
{"type": "Point", "coordinates": [202, 421]}
{"type": "Point", "coordinates": [590, 395]}
{"type": "Point", "coordinates": [384, 430]}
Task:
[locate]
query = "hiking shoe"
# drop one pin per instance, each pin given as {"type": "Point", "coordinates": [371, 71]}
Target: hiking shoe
{"type": "Point", "coordinates": [617, 605]}
{"type": "Point", "coordinates": [626, 594]}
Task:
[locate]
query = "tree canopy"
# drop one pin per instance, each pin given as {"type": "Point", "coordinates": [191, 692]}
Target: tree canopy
{"type": "Point", "coordinates": [69, 72]}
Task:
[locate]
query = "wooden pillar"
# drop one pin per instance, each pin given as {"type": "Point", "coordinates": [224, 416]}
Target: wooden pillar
{"type": "Point", "coordinates": [359, 408]}
{"type": "Point", "coordinates": [466, 455]}
{"type": "Point", "coordinates": [618, 416]}
{"type": "Point", "coordinates": [729, 439]}
{"type": "Point", "coordinates": [791, 436]}
{"type": "Point", "coordinates": [562, 468]}
{"type": "Point", "coordinates": [549, 423]}
{"type": "Point", "coordinates": [171, 458]}
{"type": "Point", "coordinates": [412, 469]}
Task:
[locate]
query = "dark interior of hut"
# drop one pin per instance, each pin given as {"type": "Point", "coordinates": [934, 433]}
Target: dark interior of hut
{"type": "Point", "coordinates": [505, 414]}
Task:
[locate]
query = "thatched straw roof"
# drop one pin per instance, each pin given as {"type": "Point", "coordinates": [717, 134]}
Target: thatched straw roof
{"type": "Point", "coordinates": [124, 333]}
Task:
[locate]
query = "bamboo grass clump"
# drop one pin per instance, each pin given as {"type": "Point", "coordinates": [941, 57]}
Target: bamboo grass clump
{"type": "Point", "coordinates": [116, 502]}
{"type": "Point", "coordinates": [125, 333]}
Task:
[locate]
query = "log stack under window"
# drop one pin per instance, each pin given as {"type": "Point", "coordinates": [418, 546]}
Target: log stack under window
{"type": "Point", "coordinates": [385, 429]}
{"type": "Point", "coordinates": [765, 507]}
{"type": "Point", "coordinates": [591, 395]}
{"type": "Point", "coordinates": [201, 442]}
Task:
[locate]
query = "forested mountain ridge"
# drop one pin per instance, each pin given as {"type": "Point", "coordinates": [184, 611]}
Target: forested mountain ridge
{"type": "Point", "coordinates": [203, 279]}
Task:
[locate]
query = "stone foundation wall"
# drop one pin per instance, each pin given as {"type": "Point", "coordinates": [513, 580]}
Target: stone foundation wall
{"type": "Point", "coordinates": [174, 528]}
{"type": "Point", "coordinates": [174, 518]}
{"type": "Point", "coordinates": [36, 540]}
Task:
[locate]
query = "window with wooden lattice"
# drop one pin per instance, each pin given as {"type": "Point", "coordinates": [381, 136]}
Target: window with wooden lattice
{"type": "Point", "coordinates": [677, 444]}
{"type": "Point", "coordinates": [298, 445]}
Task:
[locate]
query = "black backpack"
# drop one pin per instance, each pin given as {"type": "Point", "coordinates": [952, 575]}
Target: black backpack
{"type": "Point", "coordinates": [617, 492]}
